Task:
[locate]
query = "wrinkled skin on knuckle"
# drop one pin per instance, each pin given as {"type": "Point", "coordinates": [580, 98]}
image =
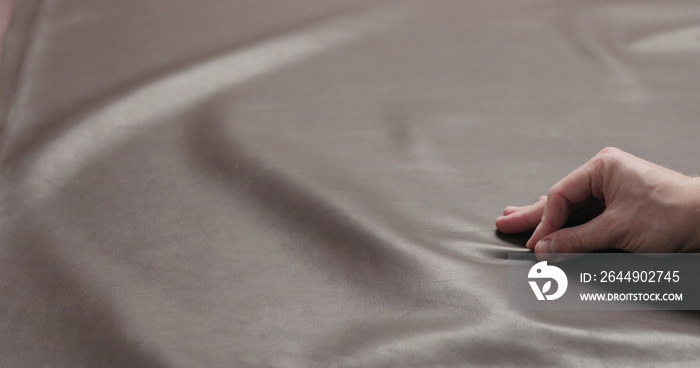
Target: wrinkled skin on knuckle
{"type": "Point", "coordinates": [597, 167]}
{"type": "Point", "coordinates": [556, 194]}
{"type": "Point", "coordinates": [612, 151]}
{"type": "Point", "coordinates": [605, 167]}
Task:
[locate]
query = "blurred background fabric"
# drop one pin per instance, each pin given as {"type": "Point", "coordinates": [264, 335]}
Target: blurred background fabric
{"type": "Point", "coordinates": [314, 183]}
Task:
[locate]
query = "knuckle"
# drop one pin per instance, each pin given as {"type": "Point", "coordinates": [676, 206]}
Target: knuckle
{"type": "Point", "coordinates": [610, 151]}
{"type": "Point", "coordinates": [603, 166]}
{"type": "Point", "coordinates": [554, 192]}
{"type": "Point", "coordinates": [607, 156]}
{"type": "Point", "coordinates": [598, 164]}
{"type": "Point", "coordinates": [557, 197]}
{"type": "Point", "coordinates": [598, 176]}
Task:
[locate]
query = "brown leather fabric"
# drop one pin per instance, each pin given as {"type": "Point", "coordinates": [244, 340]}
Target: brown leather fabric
{"type": "Point", "coordinates": [314, 183]}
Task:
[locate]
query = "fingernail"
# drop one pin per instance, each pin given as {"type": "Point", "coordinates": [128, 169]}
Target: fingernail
{"type": "Point", "coordinates": [546, 246]}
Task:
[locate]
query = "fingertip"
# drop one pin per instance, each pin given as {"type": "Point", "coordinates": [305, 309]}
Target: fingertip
{"type": "Point", "coordinates": [546, 246]}
{"type": "Point", "coordinates": [511, 209]}
{"type": "Point", "coordinates": [535, 237]}
{"type": "Point", "coordinates": [530, 244]}
{"type": "Point", "coordinates": [507, 225]}
{"type": "Point", "coordinates": [499, 223]}
{"type": "Point", "coordinates": [546, 250]}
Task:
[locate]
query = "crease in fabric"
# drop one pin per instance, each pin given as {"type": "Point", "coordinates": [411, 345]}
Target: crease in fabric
{"type": "Point", "coordinates": [23, 27]}
{"type": "Point", "coordinates": [674, 40]}
{"type": "Point", "coordinates": [183, 90]}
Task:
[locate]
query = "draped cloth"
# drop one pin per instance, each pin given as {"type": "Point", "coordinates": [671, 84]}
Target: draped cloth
{"type": "Point", "coordinates": [314, 183]}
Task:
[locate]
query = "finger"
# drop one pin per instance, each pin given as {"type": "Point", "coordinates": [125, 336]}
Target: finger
{"type": "Point", "coordinates": [512, 209]}
{"type": "Point", "coordinates": [591, 236]}
{"type": "Point", "coordinates": [575, 189]}
{"type": "Point", "coordinates": [522, 220]}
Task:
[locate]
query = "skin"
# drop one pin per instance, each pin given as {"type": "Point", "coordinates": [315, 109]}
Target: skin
{"type": "Point", "coordinates": [646, 208]}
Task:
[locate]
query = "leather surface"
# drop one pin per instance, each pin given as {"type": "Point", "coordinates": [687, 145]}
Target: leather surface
{"type": "Point", "coordinates": [314, 183]}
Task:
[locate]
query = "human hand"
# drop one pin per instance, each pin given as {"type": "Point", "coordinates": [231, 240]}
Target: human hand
{"type": "Point", "coordinates": [647, 209]}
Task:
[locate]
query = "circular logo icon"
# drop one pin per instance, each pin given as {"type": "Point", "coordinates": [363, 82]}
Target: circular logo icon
{"type": "Point", "coordinates": [543, 271]}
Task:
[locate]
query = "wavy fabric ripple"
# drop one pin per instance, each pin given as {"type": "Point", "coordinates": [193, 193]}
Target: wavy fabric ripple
{"type": "Point", "coordinates": [261, 184]}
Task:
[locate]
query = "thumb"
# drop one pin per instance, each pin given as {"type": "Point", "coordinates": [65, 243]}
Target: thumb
{"type": "Point", "coordinates": [588, 237]}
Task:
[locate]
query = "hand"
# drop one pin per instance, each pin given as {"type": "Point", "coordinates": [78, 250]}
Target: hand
{"type": "Point", "coordinates": [647, 209]}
